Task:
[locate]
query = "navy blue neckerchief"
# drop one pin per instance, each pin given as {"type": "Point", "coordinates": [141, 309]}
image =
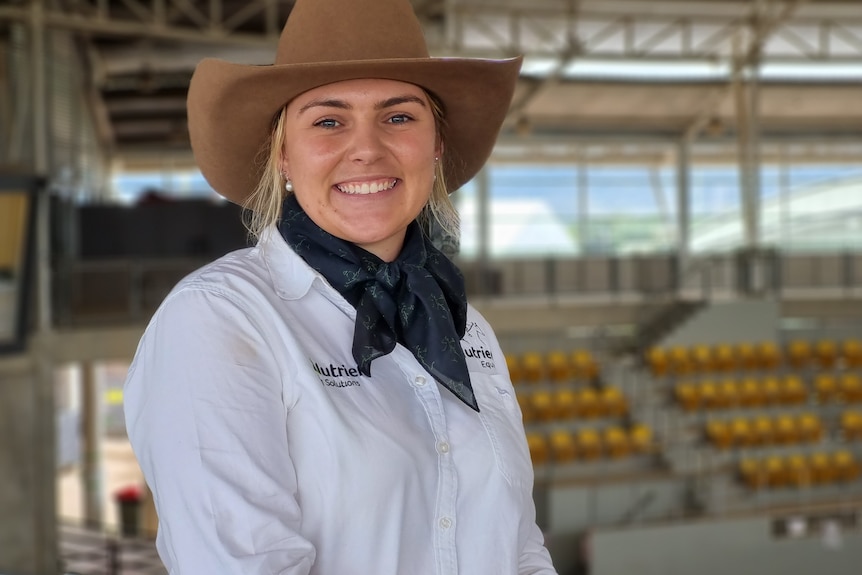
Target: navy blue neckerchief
{"type": "Point", "coordinates": [418, 300]}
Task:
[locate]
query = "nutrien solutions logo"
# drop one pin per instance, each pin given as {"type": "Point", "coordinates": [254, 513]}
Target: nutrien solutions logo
{"type": "Point", "coordinates": [332, 375]}
{"type": "Point", "coordinates": [477, 350]}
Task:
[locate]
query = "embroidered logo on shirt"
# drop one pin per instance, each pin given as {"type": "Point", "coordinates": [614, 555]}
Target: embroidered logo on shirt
{"type": "Point", "coordinates": [332, 375]}
{"type": "Point", "coordinates": [477, 350]}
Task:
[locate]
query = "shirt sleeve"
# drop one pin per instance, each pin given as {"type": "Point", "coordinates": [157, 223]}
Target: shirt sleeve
{"type": "Point", "coordinates": [206, 418]}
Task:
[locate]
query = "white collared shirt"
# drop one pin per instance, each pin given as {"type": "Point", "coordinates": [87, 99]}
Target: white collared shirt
{"type": "Point", "coordinates": [268, 453]}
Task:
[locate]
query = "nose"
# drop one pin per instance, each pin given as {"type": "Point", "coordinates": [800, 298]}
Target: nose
{"type": "Point", "coordinates": [367, 144]}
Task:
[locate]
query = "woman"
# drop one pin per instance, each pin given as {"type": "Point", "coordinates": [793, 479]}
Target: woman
{"type": "Point", "coordinates": [327, 402]}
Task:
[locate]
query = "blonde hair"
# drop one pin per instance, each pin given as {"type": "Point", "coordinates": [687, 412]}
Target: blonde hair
{"type": "Point", "coordinates": [262, 208]}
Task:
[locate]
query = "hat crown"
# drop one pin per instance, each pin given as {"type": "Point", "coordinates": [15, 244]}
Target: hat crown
{"type": "Point", "coordinates": [348, 30]}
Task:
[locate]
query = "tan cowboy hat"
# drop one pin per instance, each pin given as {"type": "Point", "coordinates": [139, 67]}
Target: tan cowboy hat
{"type": "Point", "coordinates": [231, 106]}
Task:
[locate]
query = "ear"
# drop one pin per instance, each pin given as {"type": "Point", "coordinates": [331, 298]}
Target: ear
{"type": "Point", "coordinates": [283, 165]}
{"type": "Point", "coordinates": [438, 151]}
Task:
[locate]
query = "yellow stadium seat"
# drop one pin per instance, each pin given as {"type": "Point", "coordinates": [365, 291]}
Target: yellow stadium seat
{"type": "Point", "coordinates": [810, 428]}
{"type": "Point", "coordinates": [613, 402]}
{"type": "Point", "coordinates": [727, 393]}
{"type": "Point", "coordinates": [750, 394]}
{"type": "Point", "coordinates": [846, 466]}
{"type": "Point", "coordinates": [718, 433]}
{"type": "Point", "coordinates": [776, 475]}
{"type": "Point", "coordinates": [680, 362]}
{"type": "Point", "coordinates": [542, 403]}
{"type": "Point", "coordinates": [708, 394]}
{"type": "Point", "coordinates": [771, 388]}
{"type": "Point", "coordinates": [688, 396]}
{"type": "Point", "coordinates": [587, 405]}
{"type": "Point", "coordinates": [514, 366]}
{"type": "Point", "coordinates": [768, 355]}
{"type": "Point", "coordinates": [723, 358]}
{"type": "Point", "coordinates": [851, 353]}
{"type": "Point", "coordinates": [826, 387]}
{"type": "Point", "coordinates": [640, 438]}
{"type": "Point", "coordinates": [658, 362]}
{"type": "Point", "coordinates": [820, 465]}
{"type": "Point", "coordinates": [741, 433]}
{"type": "Point", "coordinates": [798, 472]}
{"type": "Point", "coordinates": [850, 388]}
{"type": "Point", "coordinates": [753, 473]}
{"type": "Point", "coordinates": [558, 367]}
{"type": "Point", "coordinates": [563, 446]}
{"type": "Point", "coordinates": [532, 367]}
{"type": "Point", "coordinates": [793, 391]}
{"type": "Point", "coordinates": [701, 358]}
{"type": "Point", "coordinates": [826, 353]}
{"type": "Point", "coordinates": [589, 444]}
{"type": "Point", "coordinates": [851, 425]}
{"type": "Point", "coordinates": [538, 448]}
{"type": "Point", "coordinates": [762, 430]}
{"type": "Point", "coordinates": [746, 358]}
{"type": "Point", "coordinates": [584, 365]}
{"type": "Point", "coordinates": [526, 406]}
{"type": "Point", "coordinates": [785, 429]}
{"type": "Point", "coordinates": [565, 404]}
{"type": "Point", "coordinates": [798, 353]}
{"type": "Point", "coordinates": [616, 442]}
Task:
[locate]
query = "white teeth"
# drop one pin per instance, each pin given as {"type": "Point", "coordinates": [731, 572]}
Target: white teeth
{"type": "Point", "coordinates": [366, 188]}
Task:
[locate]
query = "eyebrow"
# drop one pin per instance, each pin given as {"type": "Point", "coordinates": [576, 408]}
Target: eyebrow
{"type": "Point", "coordinates": [342, 105]}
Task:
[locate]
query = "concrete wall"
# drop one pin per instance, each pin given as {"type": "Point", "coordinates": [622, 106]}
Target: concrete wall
{"type": "Point", "coordinates": [28, 537]}
{"type": "Point", "coordinates": [576, 507]}
{"type": "Point", "coordinates": [729, 322]}
{"type": "Point", "coordinates": [744, 546]}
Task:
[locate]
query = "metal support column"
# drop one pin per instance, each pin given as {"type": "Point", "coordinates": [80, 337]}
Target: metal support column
{"type": "Point", "coordinates": [583, 191]}
{"type": "Point", "coordinates": [483, 215]}
{"type": "Point", "coordinates": [748, 137]}
{"type": "Point", "coordinates": [91, 468]}
{"type": "Point", "coordinates": [683, 196]}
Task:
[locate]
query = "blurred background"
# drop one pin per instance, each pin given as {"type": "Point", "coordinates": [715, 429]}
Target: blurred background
{"type": "Point", "coordinates": [667, 240]}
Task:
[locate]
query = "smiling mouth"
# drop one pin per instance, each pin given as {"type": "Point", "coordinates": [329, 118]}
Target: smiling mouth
{"type": "Point", "coordinates": [365, 188]}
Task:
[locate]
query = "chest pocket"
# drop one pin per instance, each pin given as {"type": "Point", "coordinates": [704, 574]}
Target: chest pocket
{"type": "Point", "coordinates": [501, 418]}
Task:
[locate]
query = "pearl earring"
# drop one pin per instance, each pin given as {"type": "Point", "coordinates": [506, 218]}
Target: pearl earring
{"type": "Point", "coordinates": [288, 186]}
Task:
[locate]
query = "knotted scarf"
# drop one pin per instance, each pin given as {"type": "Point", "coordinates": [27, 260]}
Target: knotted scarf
{"type": "Point", "coordinates": [418, 300]}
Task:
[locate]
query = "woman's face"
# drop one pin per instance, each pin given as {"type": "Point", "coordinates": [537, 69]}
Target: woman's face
{"type": "Point", "coordinates": [361, 155]}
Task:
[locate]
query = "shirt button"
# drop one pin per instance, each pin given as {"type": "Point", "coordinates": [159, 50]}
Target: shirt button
{"type": "Point", "coordinates": [443, 447]}
{"type": "Point", "coordinates": [445, 523]}
{"type": "Point", "coordinates": [419, 381]}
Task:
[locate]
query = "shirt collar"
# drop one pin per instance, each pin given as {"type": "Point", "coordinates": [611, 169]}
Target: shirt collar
{"type": "Point", "coordinates": [291, 276]}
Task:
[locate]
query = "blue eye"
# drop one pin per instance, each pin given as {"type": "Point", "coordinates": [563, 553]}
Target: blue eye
{"type": "Point", "coordinates": [400, 119]}
{"type": "Point", "coordinates": [326, 123]}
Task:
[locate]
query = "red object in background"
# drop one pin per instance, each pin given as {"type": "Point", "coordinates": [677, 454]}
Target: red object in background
{"type": "Point", "coordinates": [130, 494]}
{"type": "Point", "coordinates": [129, 502]}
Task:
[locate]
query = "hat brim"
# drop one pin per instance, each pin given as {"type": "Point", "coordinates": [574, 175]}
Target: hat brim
{"type": "Point", "coordinates": [231, 108]}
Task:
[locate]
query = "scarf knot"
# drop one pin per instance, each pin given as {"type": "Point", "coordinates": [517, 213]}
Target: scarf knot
{"type": "Point", "coordinates": [417, 300]}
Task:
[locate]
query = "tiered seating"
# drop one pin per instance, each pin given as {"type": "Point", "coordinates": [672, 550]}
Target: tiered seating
{"type": "Point", "coordinates": [764, 430]}
{"type": "Point", "coordinates": [798, 354]}
{"type": "Point", "coordinates": [851, 425]}
{"type": "Point", "coordinates": [722, 358]}
{"type": "Point", "coordinates": [554, 367]}
{"type": "Point", "coordinates": [558, 392]}
{"type": "Point", "coordinates": [750, 392]}
{"type": "Point", "coordinates": [844, 387]}
{"type": "Point", "coordinates": [544, 405]}
{"type": "Point", "coordinates": [589, 444]}
{"type": "Point", "coordinates": [799, 469]}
